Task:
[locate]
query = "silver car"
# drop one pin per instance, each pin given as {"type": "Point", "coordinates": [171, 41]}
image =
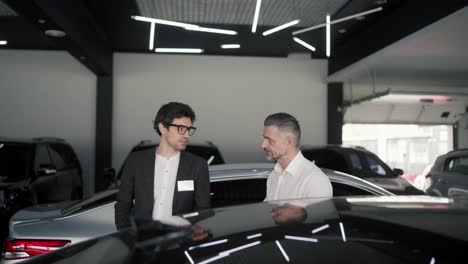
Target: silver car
{"type": "Point", "coordinates": [43, 228]}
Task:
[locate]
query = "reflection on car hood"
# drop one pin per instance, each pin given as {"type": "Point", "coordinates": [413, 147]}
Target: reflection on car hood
{"type": "Point", "coordinates": [364, 230]}
{"type": "Point", "coordinates": [397, 183]}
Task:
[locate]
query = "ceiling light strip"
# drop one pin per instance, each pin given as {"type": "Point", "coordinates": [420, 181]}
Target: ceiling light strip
{"type": "Point", "coordinates": [305, 44]}
{"type": "Point", "coordinates": [230, 46]}
{"type": "Point", "coordinates": [328, 35]}
{"type": "Point", "coordinates": [257, 12]}
{"type": "Point", "coordinates": [177, 50]}
{"type": "Point", "coordinates": [151, 38]}
{"type": "Point", "coordinates": [162, 21]}
{"type": "Point", "coordinates": [3, 42]}
{"type": "Point", "coordinates": [278, 28]}
{"type": "Point", "coordinates": [338, 20]}
{"type": "Point", "coordinates": [211, 30]}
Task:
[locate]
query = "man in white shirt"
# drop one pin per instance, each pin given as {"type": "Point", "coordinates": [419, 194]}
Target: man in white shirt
{"type": "Point", "coordinates": [293, 175]}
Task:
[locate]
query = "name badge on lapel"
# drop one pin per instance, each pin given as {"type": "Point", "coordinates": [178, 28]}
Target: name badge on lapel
{"type": "Point", "coordinates": [184, 186]}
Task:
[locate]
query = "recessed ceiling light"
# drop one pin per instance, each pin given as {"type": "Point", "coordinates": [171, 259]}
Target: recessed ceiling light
{"type": "Point", "coordinates": [342, 30]}
{"type": "Point", "coordinates": [178, 50]}
{"type": "Point", "coordinates": [230, 46]}
{"type": "Point", "coordinates": [41, 21]}
{"type": "Point", "coordinates": [55, 33]}
{"type": "Point", "coordinates": [3, 42]}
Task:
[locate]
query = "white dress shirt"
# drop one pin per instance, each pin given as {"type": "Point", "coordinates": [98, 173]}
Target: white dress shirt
{"type": "Point", "coordinates": [301, 179]}
{"type": "Point", "coordinates": [165, 174]}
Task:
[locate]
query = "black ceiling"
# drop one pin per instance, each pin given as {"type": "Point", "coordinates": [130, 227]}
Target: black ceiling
{"type": "Point", "coordinates": [95, 29]}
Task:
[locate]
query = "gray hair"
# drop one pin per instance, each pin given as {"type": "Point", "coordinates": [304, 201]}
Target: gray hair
{"type": "Point", "coordinates": [285, 122]}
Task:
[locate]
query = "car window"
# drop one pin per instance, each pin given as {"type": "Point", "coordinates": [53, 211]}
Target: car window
{"type": "Point", "coordinates": [356, 163]}
{"type": "Point", "coordinates": [458, 165]}
{"type": "Point", "coordinates": [375, 167]}
{"type": "Point", "coordinates": [62, 156]}
{"type": "Point", "coordinates": [328, 159]}
{"type": "Point", "coordinates": [234, 192]}
{"type": "Point", "coordinates": [42, 156]}
{"type": "Point", "coordinates": [15, 161]}
{"type": "Point", "coordinates": [340, 189]}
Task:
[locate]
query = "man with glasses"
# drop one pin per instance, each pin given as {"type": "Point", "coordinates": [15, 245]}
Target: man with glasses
{"type": "Point", "coordinates": [164, 181]}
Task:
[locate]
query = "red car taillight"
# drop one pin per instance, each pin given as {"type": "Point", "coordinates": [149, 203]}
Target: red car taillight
{"type": "Point", "coordinates": [25, 248]}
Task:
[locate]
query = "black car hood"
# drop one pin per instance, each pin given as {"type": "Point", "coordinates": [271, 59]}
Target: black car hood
{"type": "Point", "coordinates": [357, 230]}
{"type": "Point", "coordinates": [12, 185]}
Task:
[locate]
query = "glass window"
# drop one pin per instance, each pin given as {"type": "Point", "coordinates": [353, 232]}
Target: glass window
{"type": "Point", "coordinates": [458, 165]}
{"type": "Point", "coordinates": [59, 156]}
{"type": "Point", "coordinates": [355, 161]}
{"type": "Point", "coordinates": [15, 161]}
{"type": "Point", "coordinates": [375, 167]}
{"type": "Point", "coordinates": [42, 156]}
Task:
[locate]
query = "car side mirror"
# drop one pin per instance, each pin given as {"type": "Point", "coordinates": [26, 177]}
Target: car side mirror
{"type": "Point", "coordinates": [399, 171]}
{"type": "Point", "coordinates": [110, 176]}
{"type": "Point", "coordinates": [46, 169]}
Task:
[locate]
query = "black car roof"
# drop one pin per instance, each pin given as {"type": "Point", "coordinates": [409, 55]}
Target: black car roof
{"type": "Point", "coordinates": [32, 140]}
{"type": "Point", "coordinates": [339, 148]}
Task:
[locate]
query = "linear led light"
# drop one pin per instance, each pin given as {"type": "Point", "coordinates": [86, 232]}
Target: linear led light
{"type": "Point", "coordinates": [211, 30]}
{"type": "Point", "coordinates": [305, 44]}
{"type": "Point", "coordinates": [177, 50]}
{"type": "Point", "coordinates": [257, 12]}
{"type": "Point", "coordinates": [328, 35]}
{"type": "Point", "coordinates": [162, 21]}
{"type": "Point", "coordinates": [378, 9]}
{"type": "Point", "coordinates": [230, 46]}
{"type": "Point", "coordinates": [151, 40]}
{"type": "Point", "coordinates": [278, 28]}
{"type": "Point", "coordinates": [3, 42]}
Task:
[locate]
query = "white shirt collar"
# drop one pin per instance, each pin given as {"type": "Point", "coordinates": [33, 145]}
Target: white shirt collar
{"type": "Point", "coordinates": [293, 167]}
{"type": "Point", "coordinates": [175, 157]}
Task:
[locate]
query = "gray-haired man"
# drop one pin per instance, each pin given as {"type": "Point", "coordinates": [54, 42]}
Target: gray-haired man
{"type": "Point", "coordinates": [293, 176]}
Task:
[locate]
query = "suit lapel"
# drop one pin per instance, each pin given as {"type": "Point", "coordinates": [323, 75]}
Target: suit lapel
{"type": "Point", "coordinates": [182, 172]}
{"type": "Point", "coordinates": [148, 176]}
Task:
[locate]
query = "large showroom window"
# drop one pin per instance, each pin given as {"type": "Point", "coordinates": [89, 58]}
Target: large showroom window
{"type": "Point", "coordinates": [408, 147]}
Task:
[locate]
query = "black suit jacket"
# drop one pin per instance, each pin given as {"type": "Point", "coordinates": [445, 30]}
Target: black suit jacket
{"type": "Point", "coordinates": [138, 183]}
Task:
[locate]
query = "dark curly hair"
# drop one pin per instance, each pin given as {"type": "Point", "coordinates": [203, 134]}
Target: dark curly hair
{"type": "Point", "coordinates": [168, 112]}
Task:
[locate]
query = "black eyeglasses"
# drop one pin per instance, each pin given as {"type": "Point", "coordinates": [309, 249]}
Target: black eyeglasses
{"type": "Point", "coordinates": [181, 129]}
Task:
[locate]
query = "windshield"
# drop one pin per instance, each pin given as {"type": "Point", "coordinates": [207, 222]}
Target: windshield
{"type": "Point", "coordinates": [15, 161]}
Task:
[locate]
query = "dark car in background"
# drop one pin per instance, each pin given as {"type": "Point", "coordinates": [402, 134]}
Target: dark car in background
{"type": "Point", "coordinates": [381, 229]}
{"type": "Point", "coordinates": [38, 170]}
{"type": "Point", "coordinates": [362, 163]}
{"type": "Point", "coordinates": [207, 151]}
{"type": "Point", "coordinates": [449, 175]}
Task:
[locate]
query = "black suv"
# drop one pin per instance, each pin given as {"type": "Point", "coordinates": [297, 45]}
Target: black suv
{"type": "Point", "coordinates": [38, 170]}
{"type": "Point", "coordinates": [361, 163]}
{"type": "Point", "coordinates": [449, 175]}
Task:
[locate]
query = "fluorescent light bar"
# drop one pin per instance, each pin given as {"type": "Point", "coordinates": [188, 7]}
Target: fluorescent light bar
{"type": "Point", "coordinates": [254, 236]}
{"type": "Point", "coordinates": [3, 42]}
{"type": "Point", "coordinates": [211, 30]}
{"type": "Point", "coordinates": [338, 20]}
{"type": "Point", "coordinates": [176, 50]}
{"type": "Point", "coordinates": [306, 239]}
{"type": "Point", "coordinates": [162, 21]}
{"type": "Point", "coordinates": [316, 230]}
{"type": "Point", "coordinates": [343, 235]}
{"type": "Point", "coordinates": [282, 250]}
{"type": "Point", "coordinates": [209, 244]}
{"type": "Point", "coordinates": [305, 44]}
{"type": "Point", "coordinates": [278, 28]}
{"type": "Point", "coordinates": [230, 46]}
{"type": "Point", "coordinates": [189, 257]}
{"type": "Point", "coordinates": [151, 40]}
{"type": "Point", "coordinates": [257, 12]}
{"type": "Point", "coordinates": [328, 35]}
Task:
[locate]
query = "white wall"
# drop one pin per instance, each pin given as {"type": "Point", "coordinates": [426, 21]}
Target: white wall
{"type": "Point", "coordinates": [49, 93]}
{"type": "Point", "coordinates": [230, 95]}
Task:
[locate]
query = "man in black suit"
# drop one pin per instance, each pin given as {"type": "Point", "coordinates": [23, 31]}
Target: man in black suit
{"type": "Point", "coordinates": [164, 181]}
